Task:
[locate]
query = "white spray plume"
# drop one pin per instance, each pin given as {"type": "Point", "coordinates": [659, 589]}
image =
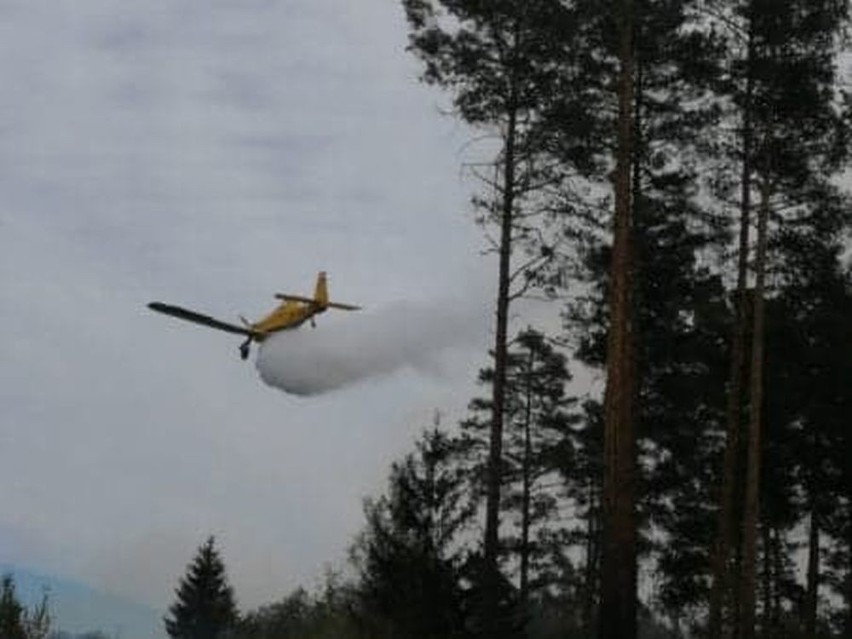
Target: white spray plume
{"type": "Point", "coordinates": [352, 347]}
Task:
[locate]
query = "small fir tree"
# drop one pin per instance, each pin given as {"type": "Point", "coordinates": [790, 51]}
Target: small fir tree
{"type": "Point", "coordinates": [18, 622]}
{"type": "Point", "coordinates": [205, 606]}
{"type": "Point", "coordinates": [407, 557]}
{"type": "Point", "coordinates": [11, 611]}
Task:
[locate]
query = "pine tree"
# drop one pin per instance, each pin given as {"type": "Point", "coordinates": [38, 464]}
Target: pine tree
{"type": "Point", "coordinates": [671, 301]}
{"type": "Point", "coordinates": [789, 142]}
{"type": "Point", "coordinates": [539, 444]}
{"type": "Point", "coordinates": [619, 566]}
{"type": "Point", "coordinates": [205, 607]}
{"type": "Point", "coordinates": [808, 360]}
{"type": "Point", "coordinates": [498, 60]}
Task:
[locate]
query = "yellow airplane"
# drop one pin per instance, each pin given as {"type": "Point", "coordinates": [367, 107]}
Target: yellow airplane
{"type": "Point", "coordinates": [293, 311]}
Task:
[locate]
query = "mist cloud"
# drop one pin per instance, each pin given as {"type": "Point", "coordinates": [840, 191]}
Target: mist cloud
{"type": "Point", "coordinates": [366, 344]}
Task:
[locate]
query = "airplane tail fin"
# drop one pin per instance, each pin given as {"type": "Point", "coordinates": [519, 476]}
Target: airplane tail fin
{"type": "Point", "coordinates": [321, 291]}
{"type": "Point", "coordinates": [320, 298]}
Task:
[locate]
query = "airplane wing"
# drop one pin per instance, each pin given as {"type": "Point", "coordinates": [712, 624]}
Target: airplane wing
{"type": "Point", "coordinates": [310, 300]}
{"type": "Point", "coordinates": [343, 307]}
{"type": "Point", "coordinates": [198, 318]}
{"type": "Point", "coordinates": [296, 298]}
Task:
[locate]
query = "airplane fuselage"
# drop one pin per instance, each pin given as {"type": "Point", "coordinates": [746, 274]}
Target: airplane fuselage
{"type": "Point", "coordinates": [285, 316]}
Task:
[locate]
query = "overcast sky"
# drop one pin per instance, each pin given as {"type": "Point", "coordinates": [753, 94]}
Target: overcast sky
{"type": "Point", "coordinates": [211, 154]}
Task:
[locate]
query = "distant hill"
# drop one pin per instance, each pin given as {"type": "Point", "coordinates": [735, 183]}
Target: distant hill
{"type": "Point", "coordinates": [77, 608]}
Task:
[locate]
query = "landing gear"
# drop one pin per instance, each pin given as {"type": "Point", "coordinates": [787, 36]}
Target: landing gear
{"type": "Point", "coordinates": [244, 349]}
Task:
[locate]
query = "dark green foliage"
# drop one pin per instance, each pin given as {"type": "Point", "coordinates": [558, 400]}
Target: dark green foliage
{"type": "Point", "coordinates": [736, 108]}
{"type": "Point", "coordinates": [509, 617]}
{"type": "Point", "coordinates": [492, 56]}
{"type": "Point", "coordinates": [330, 614]}
{"type": "Point", "coordinates": [408, 556]}
{"type": "Point", "coordinates": [205, 606]}
{"type": "Point", "coordinates": [16, 620]}
{"type": "Point", "coordinates": [539, 446]}
{"type": "Point", "coordinates": [791, 139]}
{"type": "Point", "coordinates": [682, 321]}
{"type": "Point", "coordinates": [484, 47]}
{"type": "Point", "coordinates": [807, 466]}
{"type": "Point", "coordinates": [11, 611]}
{"type": "Point", "coordinates": [288, 619]}
{"type": "Point", "coordinates": [679, 302]}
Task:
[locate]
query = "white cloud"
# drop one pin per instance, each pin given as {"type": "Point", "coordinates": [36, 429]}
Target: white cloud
{"type": "Point", "coordinates": [368, 344]}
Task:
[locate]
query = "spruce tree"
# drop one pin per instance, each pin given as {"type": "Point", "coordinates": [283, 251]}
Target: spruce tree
{"type": "Point", "coordinates": [205, 607]}
{"type": "Point", "coordinates": [408, 556]}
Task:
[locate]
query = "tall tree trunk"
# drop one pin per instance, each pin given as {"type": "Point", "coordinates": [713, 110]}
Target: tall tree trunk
{"type": "Point", "coordinates": [618, 578]}
{"type": "Point", "coordinates": [812, 590]}
{"type": "Point", "coordinates": [495, 449]}
{"type": "Point", "coordinates": [752, 488]}
{"type": "Point", "coordinates": [526, 488]}
{"type": "Point", "coordinates": [778, 575]}
{"type": "Point", "coordinates": [849, 562]}
{"type": "Point", "coordinates": [721, 564]}
{"type": "Point", "coordinates": [768, 578]}
{"type": "Point", "coordinates": [592, 560]}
